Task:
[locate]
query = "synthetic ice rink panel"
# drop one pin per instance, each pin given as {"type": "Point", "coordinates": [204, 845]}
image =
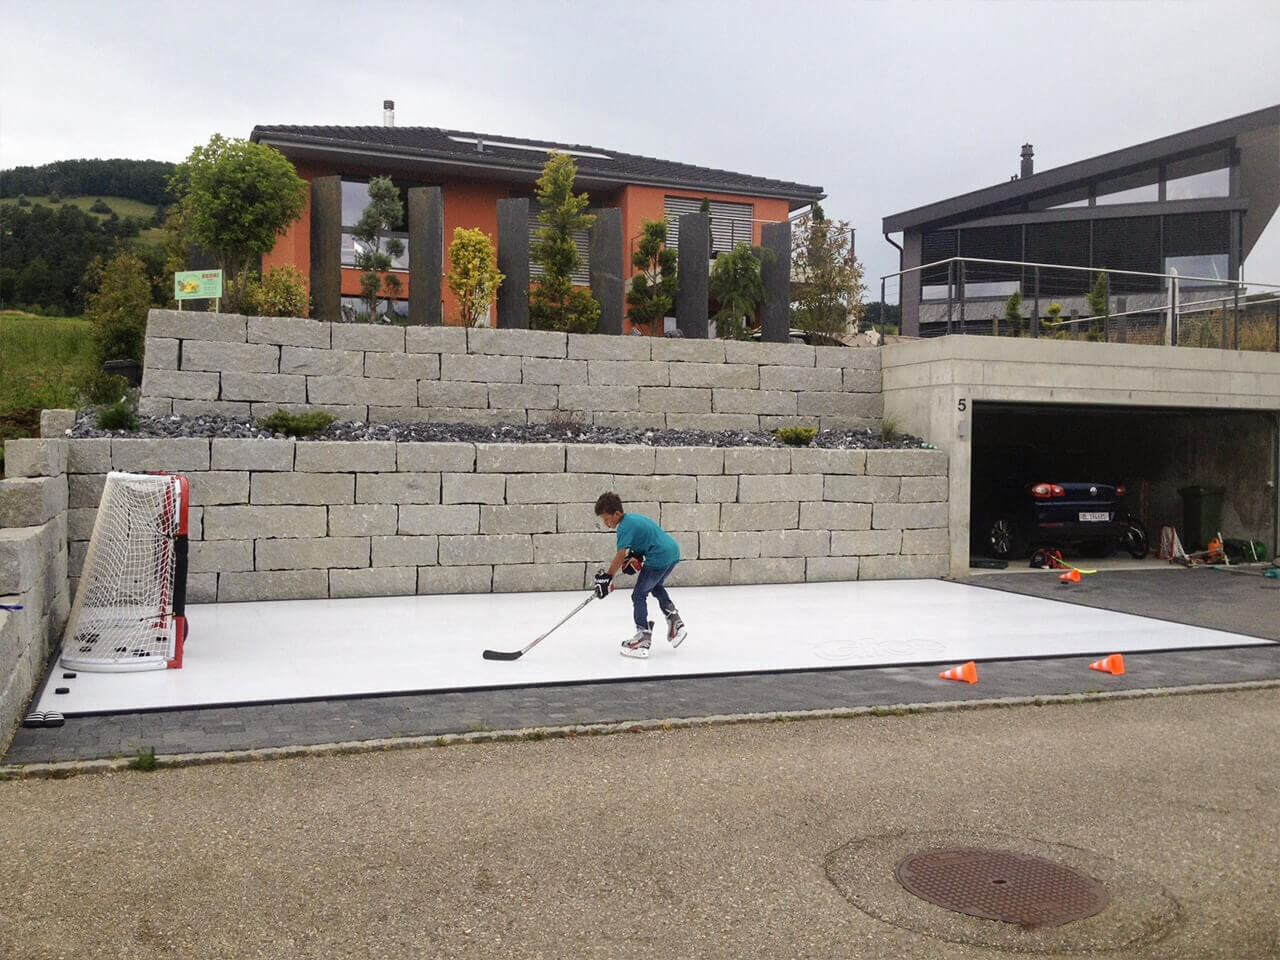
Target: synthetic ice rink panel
{"type": "Point", "coordinates": [307, 649]}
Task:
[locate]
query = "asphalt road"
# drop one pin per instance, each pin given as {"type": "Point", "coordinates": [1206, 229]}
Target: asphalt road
{"type": "Point", "coordinates": [704, 842]}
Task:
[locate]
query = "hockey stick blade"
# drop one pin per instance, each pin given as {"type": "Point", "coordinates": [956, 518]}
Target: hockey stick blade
{"type": "Point", "coordinates": [502, 655]}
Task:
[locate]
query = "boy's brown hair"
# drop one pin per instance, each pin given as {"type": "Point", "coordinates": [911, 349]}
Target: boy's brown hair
{"type": "Point", "coordinates": [608, 503]}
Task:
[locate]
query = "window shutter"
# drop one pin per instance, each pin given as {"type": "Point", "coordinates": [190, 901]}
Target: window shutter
{"type": "Point", "coordinates": [730, 222]}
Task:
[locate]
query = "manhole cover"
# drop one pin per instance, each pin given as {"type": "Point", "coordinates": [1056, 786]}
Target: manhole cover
{"type": "Point", "coordinates": [1000, 885]}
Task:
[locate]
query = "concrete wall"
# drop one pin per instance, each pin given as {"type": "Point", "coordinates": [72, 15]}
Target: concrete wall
{"type": "Point", "coordinates": [204, 363]}
{"type": "Point", "coordinates": [930, 387]}
{"type": "Point", "coordinates": [33, 570]}
{"type": "Point", "coordinates": [286, 519]}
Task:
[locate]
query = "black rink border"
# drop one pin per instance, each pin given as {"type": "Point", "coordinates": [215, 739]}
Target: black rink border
{"type": "Point", "coordinates": [1141, 911]}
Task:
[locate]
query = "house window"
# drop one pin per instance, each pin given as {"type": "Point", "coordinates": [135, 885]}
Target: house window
{"type": "Point", "coordinates": [1196, 245]}
{"type": "Point", "coordinates": [1207, 175]}
{"type": "Point", "coordinates": [730, 222]}
{"type": "Point", "coordinates": [936, 246]}
{"type": "Point", "coordinates": [355, 310]}
{"type": "Point", "coordinates": [1207, 270]}
{"type": "Point", "coordinates": [1140, 187]}
{"type": "Point", "coordinates": [355, 198]}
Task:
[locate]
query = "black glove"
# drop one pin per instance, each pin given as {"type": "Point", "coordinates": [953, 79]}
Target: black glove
{"type": "Point", "coordinates": [634, 562]}
{"type": "Point", "coordinates": [604, 584]}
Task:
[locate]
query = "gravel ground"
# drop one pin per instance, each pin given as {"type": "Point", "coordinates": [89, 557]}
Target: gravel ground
{"type": "Point", "coordinates": [711, 842]}
{"type": "Point", "coordinates": [211, 426]}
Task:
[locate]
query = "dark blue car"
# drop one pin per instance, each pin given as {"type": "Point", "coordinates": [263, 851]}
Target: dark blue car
{"type": "Point", "coordinates": [1017, 506]}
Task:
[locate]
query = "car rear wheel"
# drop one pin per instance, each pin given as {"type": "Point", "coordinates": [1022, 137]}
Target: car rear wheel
{"type": "Point", "coordinates": [1002, 539]}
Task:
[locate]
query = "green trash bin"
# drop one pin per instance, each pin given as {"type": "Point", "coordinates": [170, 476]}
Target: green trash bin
{"type": "Point", "coordinates": [1201, 515]}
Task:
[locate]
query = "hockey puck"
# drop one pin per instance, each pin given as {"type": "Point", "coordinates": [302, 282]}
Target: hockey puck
{"type": "Point", "coordinates": [54, 719]}
{"type": "Point", "coordinates": [68, 676]}
{"type": "Point", "coordinates": [33, 720]}
{"type": "Point", "coordinates": [62, 690]}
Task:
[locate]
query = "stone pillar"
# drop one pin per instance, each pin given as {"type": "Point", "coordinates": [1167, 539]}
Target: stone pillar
{"type": "Point", "coordinates": [326, 248]}
{"type": "Point", "coordinates": [691, 295]}
{"type": "Point", "coordinates": [426, 255]}
{"type": "Point", "coordinates": [775, 312]}
{"type": "Point", "coordinates": [513, 263]}
{"type": "Point", "coordinates": [607, 267]}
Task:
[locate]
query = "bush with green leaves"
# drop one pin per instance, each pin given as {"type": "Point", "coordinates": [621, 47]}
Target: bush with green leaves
{"type": "Point", "coordinates": [554, 302]}
{"type": "Point", "coordinates": [120, 415]}
{"type": "Point", "coordinates": [737, 282]}
{"type": "Point", "coordinates": [376, 249]}
{"type": "Point", "coordinates": [653, 288]}
{"type": "Point", "coordinates": [99, 206]}
{"type": "Point", "coordinates": [796, 436]}
{"type": "Point", "coordinates": [473, 277]}
{"type": "Point", "coordinates": [297, 424]}
{"type": "Point", "coordinates": [282, 292]}
{"type": "Point", "coordinates": [118, 309]}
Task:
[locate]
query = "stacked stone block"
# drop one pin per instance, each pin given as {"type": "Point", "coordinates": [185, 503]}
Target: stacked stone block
{"type": "Point", "coordinates": [33, 569]}
{"type": "Point", "coordinates": [202, 363]}
{"type": "Point", "coordinates": [295, 519]}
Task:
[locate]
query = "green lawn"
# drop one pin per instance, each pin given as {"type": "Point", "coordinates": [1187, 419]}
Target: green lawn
{"type": "Point", "coordinates": [43, 362]}
{"type": "Point", "coordinates": [122, 206]}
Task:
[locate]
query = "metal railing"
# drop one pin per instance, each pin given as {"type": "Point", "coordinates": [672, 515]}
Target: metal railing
{"type": "Point", "coordinates": [1235, 321]}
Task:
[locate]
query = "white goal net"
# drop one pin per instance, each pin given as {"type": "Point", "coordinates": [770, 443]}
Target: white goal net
{"type": "Point", "coordinates": [128, 610]}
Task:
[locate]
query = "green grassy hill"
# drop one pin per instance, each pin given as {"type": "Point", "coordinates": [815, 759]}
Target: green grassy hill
{"type": "Point", "coordinates": [44, 361]}
{"type": "Point", "coordinates": [120, 206]}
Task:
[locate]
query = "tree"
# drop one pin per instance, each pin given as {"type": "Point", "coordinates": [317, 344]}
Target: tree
{"type": "Point", "coordinates": [826, 284]}
{"type": "Point", "coordinates": [118, 309]}
{"type": "Point", "coordinates": [1099, 301]}
{"type": "Point", "coordinates": [1013, 312]}
{"type": "Point", "coordinates": [473, 275]}
{"type": "Point", "coordinates": [237, 197]}
{"type": "Point", "coordinates": [653, 289]}
{"type": "Point", "coordinates": [738, 284]}
{"type": "Point", "coordinates": [555, 303]}
{"type": "Point", "coordinates": [374, 254]}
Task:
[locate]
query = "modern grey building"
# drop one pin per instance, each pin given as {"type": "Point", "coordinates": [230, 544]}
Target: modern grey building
{"type": "Point", "coordinates": [1195, 202]}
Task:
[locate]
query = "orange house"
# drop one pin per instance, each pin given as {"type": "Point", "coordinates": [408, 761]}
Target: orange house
{"type": "Point", "coordinates": [474, 171]}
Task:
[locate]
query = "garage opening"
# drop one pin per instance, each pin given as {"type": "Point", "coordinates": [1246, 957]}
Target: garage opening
{"type": "Point", "coordinates": [1224, 462]}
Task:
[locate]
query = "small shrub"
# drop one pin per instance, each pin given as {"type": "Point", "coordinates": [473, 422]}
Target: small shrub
{"type": "Point", "coordinates": [103, 389]}
{"type": "Point", "coordinates": [297, 424]}
{"type": "Point", "coordinates": [281, 293]}
{"type": "Point", "coordinates": [889, 429]}
{"type": "Point", "coordinates": [796, 436]}
{"type": "Point", "coordinates": [144, 760]}
{"type": "Point", "coordinates": [99, 206]}
{"type": "Point", "coordinates": [23, 201]}
{"type": "Point", "coordinates": [118, 416]}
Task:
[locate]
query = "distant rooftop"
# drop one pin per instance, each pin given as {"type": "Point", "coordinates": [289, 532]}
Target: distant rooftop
{"type": "Point", "coordinates": [489, 156]}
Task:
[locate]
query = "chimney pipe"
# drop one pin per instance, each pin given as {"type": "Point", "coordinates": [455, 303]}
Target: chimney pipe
{"type": "Point", "coordinates": [388, 113]}
{"type": "Point", "coordinates": [1028, 164]}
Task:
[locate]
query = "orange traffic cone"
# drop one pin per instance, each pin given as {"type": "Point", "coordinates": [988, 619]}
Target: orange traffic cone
{"type": "Point", "coordinates": [968, 672]}
{"type": "Point", "coordinates": [1112, 664]}
{"type": "Point", "coordinates": [1071, 576]}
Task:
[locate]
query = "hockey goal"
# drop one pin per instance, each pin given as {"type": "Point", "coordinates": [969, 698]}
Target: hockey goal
{"type": "Point", "coordinates": [128, 610]}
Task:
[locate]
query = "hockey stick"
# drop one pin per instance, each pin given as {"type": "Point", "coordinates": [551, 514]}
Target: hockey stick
{"type": "Point", "coordinates": [517, 654]}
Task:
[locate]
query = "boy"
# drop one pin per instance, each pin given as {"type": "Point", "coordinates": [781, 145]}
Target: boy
{"type": "Point", "coordinates": [647, 550]}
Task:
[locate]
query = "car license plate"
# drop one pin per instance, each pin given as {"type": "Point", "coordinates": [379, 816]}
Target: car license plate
{"type": "Point", "coordinates": [1094, 517]}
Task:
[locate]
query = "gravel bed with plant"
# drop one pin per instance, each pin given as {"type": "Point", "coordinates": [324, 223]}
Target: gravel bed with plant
{"type": "Point", "coordinates": [215, 426]}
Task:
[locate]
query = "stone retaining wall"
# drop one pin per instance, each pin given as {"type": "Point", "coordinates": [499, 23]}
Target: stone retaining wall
{"type": "Point", "coordinates": [33, 570]}
{"type": "Point", "coordinates": [286, 519]}
{"type": "Point", "coordinates": [201, 363]}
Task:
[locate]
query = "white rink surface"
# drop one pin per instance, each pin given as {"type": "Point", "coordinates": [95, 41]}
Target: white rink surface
{"type": "Point", "coordinates": [306, 649]}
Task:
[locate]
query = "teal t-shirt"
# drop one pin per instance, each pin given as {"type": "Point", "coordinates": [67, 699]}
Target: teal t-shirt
{"type": "Point", "coordinates": [637, 532]}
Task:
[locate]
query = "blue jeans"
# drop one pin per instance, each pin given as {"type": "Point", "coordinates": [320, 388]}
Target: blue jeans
{"type": "Point", "coordinates": [650, 580]}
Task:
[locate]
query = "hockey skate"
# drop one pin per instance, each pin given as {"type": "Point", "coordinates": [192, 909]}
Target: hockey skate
{"type": "Point", "coordinates": [638, 646]}
{"type": "Point", "coordinates": [675, 629]}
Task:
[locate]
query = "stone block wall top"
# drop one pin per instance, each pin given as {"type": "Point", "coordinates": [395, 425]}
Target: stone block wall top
{"type": "Point", "coordinates": [526, 343]}
{"type": "Point", "coordinates": [590, 346]}
{"type": "Point", "coordinates": [326, 456]}
{"type": "Point", "coordinates": [189, 325]}
{"type": "Point", "coordinates": [436, 339]}
{"type": "Point", "coordinates": [55, 423]}
{"type": "Point", "coordinates": [35, 458]}
{"type": "Point", "coordinates": [289, 331]}
{"type": "Point", "coordinates": [367, 336]}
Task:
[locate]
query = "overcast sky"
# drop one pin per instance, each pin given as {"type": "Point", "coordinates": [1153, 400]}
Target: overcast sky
{"type": "Point", "coordinates": [886, 106]}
